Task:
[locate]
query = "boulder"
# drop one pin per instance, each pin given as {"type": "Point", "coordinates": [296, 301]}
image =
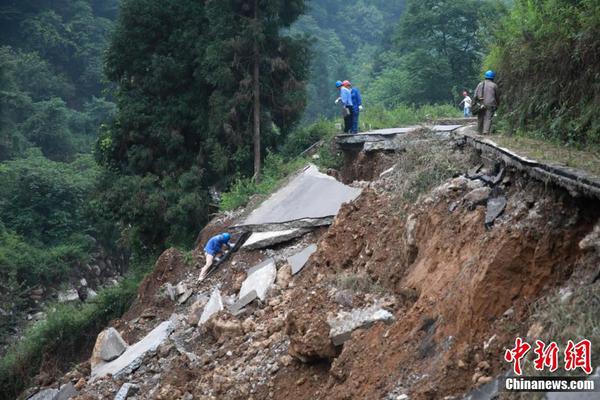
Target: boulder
{"type": "Point", "coordinates": [309, 337]}
{"type": "Point", "coordinates": [477, 196]}
{"type": "Point", "coordinates": [342, 326]}
{"type": "Point", "coordinates": [109, 345]}
{"type": "Point", "coordinates": [68, 295]}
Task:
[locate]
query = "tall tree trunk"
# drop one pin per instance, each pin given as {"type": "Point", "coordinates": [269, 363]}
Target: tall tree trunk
{"type": "Point", "coordinates": [256, 89]}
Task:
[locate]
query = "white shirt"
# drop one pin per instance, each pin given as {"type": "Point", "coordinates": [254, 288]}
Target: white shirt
{"type": "Point", "coordinates": [467, 100]}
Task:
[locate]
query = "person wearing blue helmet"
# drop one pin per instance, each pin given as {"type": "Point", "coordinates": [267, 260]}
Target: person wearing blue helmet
{"type": "Point", "coordinates": [488, 96]}
{"type": "Point", "coordinates": [213, 247]}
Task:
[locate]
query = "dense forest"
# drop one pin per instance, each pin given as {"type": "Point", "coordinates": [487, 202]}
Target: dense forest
{"type": "Point", "coordinates": [122, 120]}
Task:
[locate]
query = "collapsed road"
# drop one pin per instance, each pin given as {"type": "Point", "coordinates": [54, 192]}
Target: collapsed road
{"type": "Point", "coordinates": [408, 282]}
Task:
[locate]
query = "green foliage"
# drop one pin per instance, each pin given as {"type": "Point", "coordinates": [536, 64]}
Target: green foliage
{"type": "Point", "coordinates": [379, 117]}
{"type": "Point", "coordinates": [546, 57]}
{"type": "Point", "coordinates": [45, 200]}
{"type": "Point", "coordinates": [434, 52]}
{"type": "Point", "coordinates": [183, 70]}
{"type": "Point", "coordinates": [68, 330]}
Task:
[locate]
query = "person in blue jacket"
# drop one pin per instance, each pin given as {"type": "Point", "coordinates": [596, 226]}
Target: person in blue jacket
{"type": "Point", "coordinates": [346, 99]}
{"type": "Point", "coordinates": [356, 106]}
{"type": "Point", "coordinates": [213, 247]}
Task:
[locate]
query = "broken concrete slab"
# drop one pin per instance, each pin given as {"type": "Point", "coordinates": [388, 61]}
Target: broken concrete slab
{"type": "Point", "coordinates": [260, 240]}
{"type": "Point", "coordinates": [185, 296]}
{"type": "Point", "coordinates": [180, 289]}
{"type": "Point", "coordinates": [214, 305]}
{"type": "Point", "coordinates": [126, 390]}
{"type": "Point", "coordinates": [132, 358]}
{"type": "Point", "coordinates": [243, 302]}
{"type": "Point", "coordinates": [373, 136]}
{"type": "Point", "coordinates": [259, 279]}
{"type": "Point", "coordinates": [445, 128]}
{"type": "Point", "coordinates": [495, 207]}
{"type": "Point", "coordinates": [46, 394]}
{"type": "Point", "coordinates": [298, 260]}
{"type": "Point", "coordinates": [310, 199]}
{"type": "Point", "coordinates": [345, 323]}
{"type": "Point", "coordinates": [66, 392]}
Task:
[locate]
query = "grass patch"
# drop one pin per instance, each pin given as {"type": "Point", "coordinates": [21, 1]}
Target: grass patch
{"type": "Point", "coordinates": [68, 330]}
{"type": "Point", "coordinates": [357, 283]}
{"type": "Point", "coordinates": [379, 117]}
{"type": "Point", "coordinates": [552, 152]}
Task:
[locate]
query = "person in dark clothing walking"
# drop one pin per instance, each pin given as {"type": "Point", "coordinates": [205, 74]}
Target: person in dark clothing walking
{"type": "Point", "coordinates": [488, 95]}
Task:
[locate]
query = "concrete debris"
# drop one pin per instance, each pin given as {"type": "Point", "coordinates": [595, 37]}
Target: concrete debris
{"type": "Point", "coordinates": [495, 207]}
{"type": "Point", "coordinates": [310, 199]}
{"type": "Point", "coordinates": [185, 296]}
{"type": "Point", "coordinates": [68, 295]}
{"type": "Point", "coordinates": [180, 289]}
{"type": "Point", "coordinates": [66, 392]}
{"type": "Point", "coordinates": [46, 394]}
{"type": "Point", "coordinates": [349, 140]}
{"type": "Point", "coordinates": [298, 260]}
{"type": "Point", "coordinates": [345, 323]}
{"type": "Point", "coordinates": [445, 128]}
{"type": "Point", "coordinates": [170, 290]}
{"type": "Point", "coordinates": [132, 358]}
{"type": "Point", "coordinates": [243, 302]}
{"type": "Point", "coordinates": [214, 305]}
{"type": "Point", "coordinates": [260, 240]}
{"type": "Point", "coordinates": [91, 293]}
{"type": "Point", "coordinates": [109, 345]}
{"type": "Point", "coordinates": [126, 390]}
{"type": "Point", "coordinates": [259, 279]}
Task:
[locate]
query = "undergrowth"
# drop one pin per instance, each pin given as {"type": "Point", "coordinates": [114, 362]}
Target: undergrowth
{"type": "Point", "coordinates": [67, 331]}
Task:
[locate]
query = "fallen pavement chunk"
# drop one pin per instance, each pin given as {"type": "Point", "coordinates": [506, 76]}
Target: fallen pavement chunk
{"type": "Point", "coordinates": [309, 199]}
{"type": "Point", "coordinates": [109, 345]}
{"type": "Point", "coordinates": [46, 394]}
{"type": "Point", "coordinates": [243, 302]}
{"type": "Point", "coordinates": [259, 240]}
{"type": "Point", "coordinates": [298, 260]}
{"type": "Point", "coordinates": [126, 390]}
{"type": "Point", "coordinates": [259, 279]}
{"type": "Point", "coordinates": [68, 295]}
{"type": "Point", "coordinates": [345, 323]}
{"type": "Point", "coordinates": [66, 392]}
{"type": "Point", "coordinates": [495, 207]}
{"type": "Point", "coordinates": [132, 358]}
{"type": "Point", "coordinates": [214, 305]}
{"type": "Point", "coordinates": [185, 296]}
{"type": "Point", "coordinates": [445, 128]}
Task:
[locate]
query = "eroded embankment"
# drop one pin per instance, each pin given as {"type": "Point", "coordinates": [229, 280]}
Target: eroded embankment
{"type": "Point", "coordinates": [457, 284]}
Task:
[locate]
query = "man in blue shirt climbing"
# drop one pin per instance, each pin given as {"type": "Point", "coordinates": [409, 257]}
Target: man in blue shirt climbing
{"type": "Point", "coordinates": [356, 106]}
{"type": "Point", "coordinates": [213, 247]}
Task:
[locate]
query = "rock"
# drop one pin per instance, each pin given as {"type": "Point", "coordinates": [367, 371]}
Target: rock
{"type": "Point", "coordinates": [483, 365]}
{"type": "Point", "coordinates": [344, 297]}
{"type": "Point", "coordinates": [477, 196]}
{"type": "Point", "coordinates": [535, 331]}
{"type": "Point", "coordinates": [109, 345]}
{"type": "Point", "coordinates": [196, 311]}
{"type": "Point", "coordinates": [592, 240]}
{"type": "Point", "coordinates": [345, 323]}
{"type": "Point", "coordinates": [180, 289]}
{"type": "Point", "coordinates": [90, 294]}
{"type": "Point", "coordinates": [214, 305]}
{"type": "Point", "coordinates": [68, 295]}
{"type": "Point", "coordinates": [185, 296]}
{"type": "Point", "coordinates": [461, 364]}
{"type": "Point", "coordinates": [66, 392]}
{"type": "Point", "coordinates": [80, 384]}
{"type": "Point", "coordinates": [260, 278]}
{"type": "Point", "coordinates": [96, 270]}
{"type": "Point", "coordinates": [409, 234]}
{"type": "Point", "coordinates": [309, 337]}
{"type": "Point", "coordinates": [495, 207]}
{"type": "Point", "coordinates": [224, 329]}
{"type": "Point", "coordinates": [484, 379]}
{"type": "Point", "coordinates": [83, 282]}
{"type": "Point", "coordinates": [126, 390]}
{"type": "Point", "coordinates": [565, 294]}
{"type": "Point", "coordinates": [46, 394]}
{"type": "Point", "coordinates": [284, 276]}
{"type": "Point", "coordinates": [170, 290]}
{"type": "Point", "coordinates": [133, 357]}
{"type": "Point", "coordinates": [509, 313]}
{"type": "Point", "coordinates": [248, 326]}
{"type": "Point", "coordinates": [298, 260]}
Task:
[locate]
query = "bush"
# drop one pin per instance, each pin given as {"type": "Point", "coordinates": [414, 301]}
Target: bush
{"type": "Point", "coordinates": [68, 330]}
{"type": "Point", "coordinates": [546, 57]}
